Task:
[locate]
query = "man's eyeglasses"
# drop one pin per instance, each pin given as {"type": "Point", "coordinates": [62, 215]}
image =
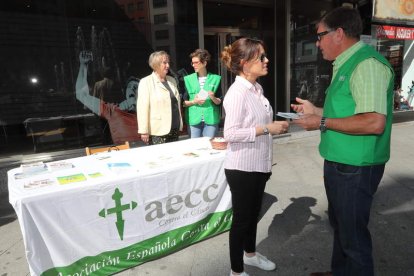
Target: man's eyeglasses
{"type": "Point", "coordinates": [321, 34]}
{"type": "Point", "coordinates": [195, 62]}
{"type": "Point", "coordinates": [262, 57]}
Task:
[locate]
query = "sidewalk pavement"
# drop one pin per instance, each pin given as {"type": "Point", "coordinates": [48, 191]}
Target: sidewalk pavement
{"type": "Point", "coordinates": [293, 230]}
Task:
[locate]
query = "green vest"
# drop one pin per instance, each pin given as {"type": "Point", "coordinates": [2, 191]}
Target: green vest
{"type": "Point", "coordinates": [209, 111]}
{"type": "Point", "coordinates": [358, 150]}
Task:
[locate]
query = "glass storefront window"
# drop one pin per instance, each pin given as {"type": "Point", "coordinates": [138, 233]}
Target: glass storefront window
{"type": "Point", "coordinates": [311, 74]}
{"type": "Point", "coordinates": [55, 50]}
{"type": "Point", "coordinates": [161, 18]}
{"type": "Point", "coordinates": [159, 3]}
{"type": "Point", "coordinates": [52, 51]}
{"type": "Point", "coordinates": [397, 45]}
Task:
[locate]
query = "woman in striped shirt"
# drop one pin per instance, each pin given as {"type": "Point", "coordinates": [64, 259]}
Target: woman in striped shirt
{"type": "Point", "coordinates": [248, 128]}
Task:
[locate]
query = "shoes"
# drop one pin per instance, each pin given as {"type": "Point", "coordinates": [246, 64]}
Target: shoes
{"type": "Point", "coordinates": [327, 273]}
{"type": "Point", "coordinates": [242, 274]}
{"type": "Point", "coordinates": [259, 261]}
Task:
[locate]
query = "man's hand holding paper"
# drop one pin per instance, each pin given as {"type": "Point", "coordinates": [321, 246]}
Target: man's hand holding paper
{"type": "Point", "coordinates": [311, 117]}
{"type": "Point", "coordinates": [289, 115]}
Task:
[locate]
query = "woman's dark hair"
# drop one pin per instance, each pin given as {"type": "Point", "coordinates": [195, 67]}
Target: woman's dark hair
{"type": "Point", "coordinates": [346, 18]}
{"type": "Point", "coordinates": [243, 49]}
{"type": "Point", "coordinates": [202, 54]}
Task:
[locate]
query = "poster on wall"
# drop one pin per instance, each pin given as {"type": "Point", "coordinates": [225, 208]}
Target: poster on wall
{"type": "Point", "coordinates": [394, 32]}
{"type": "Point", "coordinates": [394, 10]}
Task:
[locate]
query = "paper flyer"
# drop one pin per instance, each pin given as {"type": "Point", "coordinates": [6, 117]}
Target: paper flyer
{"type": "Point", "coordinates": [33, 167]}
{"type": "Point", "coordinates": [289, 115]}
{"type": "Point", "coordinates": [191, 154]}
{"type": "Point", "coordinates": [59, 165]}
{"type": "Point", "coordinates": [23, 175]}
{"type": "Point", "coordinates": [119, 167]}
{"type": "Point", "coordinates": [39, 183]}
{"type": "Point", "coordinates": [95, 175]}
{"type": "Point", "coordinates": [203, 94]}
{"type": "Point", "coordinates": [71, 178]}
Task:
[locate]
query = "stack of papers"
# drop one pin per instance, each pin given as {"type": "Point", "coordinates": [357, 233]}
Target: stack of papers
{"type": "Point", "coordinates": [289, 115]}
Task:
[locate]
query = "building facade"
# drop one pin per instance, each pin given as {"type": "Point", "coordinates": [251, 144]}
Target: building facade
{"type": "Point", "coordinates": [43, 43]}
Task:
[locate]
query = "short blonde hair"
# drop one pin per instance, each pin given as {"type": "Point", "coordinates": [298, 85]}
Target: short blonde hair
{"type": "Point", "coordinates": [155, 59]}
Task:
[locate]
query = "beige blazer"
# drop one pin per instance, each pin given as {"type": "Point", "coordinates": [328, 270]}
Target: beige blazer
{"type": "Point", "coordinates": [154, 106]}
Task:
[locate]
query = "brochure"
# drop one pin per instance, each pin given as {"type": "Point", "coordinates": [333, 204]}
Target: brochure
{"type": "Point", "coordinates": [33, 167]}
{"type": "Point", "coordinates": [71, 178]}
{"type": "Point", "coordinates": [39, 183]}
{"type": "Point", "coordinates": [59, 165]}
{"type": "Point", "coordinates": [191, 154]}
{"type": "Point", "coordinates": [23, 175]}
{"type": "Point", "coordinates": [203, 94]}
{"type": "Point", "coordinates": [95, 175]}
{"type": "Point", "coordinates": [119, 167]}
{"type": "Point", "coordinates": [289, 115]}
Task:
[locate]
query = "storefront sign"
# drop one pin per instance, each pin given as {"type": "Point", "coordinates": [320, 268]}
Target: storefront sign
{"type": "Point", "coordinates": [394, 32]}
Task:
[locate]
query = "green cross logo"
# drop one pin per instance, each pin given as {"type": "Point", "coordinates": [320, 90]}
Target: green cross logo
{"type": "Point", "coordinates": [118, 209]}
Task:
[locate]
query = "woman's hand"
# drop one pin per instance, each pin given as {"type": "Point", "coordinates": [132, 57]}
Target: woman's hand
{"type": "Point", "coordinates": [145, 138]}
{"type": "Point", "coordinates": [213, 98]}
{"type": "Point", "coordinates": [198, 101]}
{"type": "Point", "coordinates": [278, 127]}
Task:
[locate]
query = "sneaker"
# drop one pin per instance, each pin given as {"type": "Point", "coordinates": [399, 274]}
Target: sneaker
{"type": "Point", "coordinates": [259, 261]}
{"type": "Point", "coordinates": [242, 274]}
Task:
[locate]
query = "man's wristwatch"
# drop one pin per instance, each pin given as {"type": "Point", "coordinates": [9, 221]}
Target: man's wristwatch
{"type": "Point", "coordinates": [265, 130]}
{"type": "Point", "coordinates": [322, 126]}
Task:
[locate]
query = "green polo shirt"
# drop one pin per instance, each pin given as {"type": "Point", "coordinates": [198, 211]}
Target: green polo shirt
{"type": "Point", "coordinates": [365, 83]}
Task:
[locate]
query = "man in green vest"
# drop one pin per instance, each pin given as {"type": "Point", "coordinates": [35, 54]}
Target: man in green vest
{"type": "Point", "coordinates": [355, 124]}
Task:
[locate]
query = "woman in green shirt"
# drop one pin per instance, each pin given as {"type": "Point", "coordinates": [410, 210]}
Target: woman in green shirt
{"type": "Point", "coordinates": [202, 97]}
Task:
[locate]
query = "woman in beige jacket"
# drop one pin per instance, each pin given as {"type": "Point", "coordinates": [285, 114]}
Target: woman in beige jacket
{"type": "Point", "coordinates": [158, 104]}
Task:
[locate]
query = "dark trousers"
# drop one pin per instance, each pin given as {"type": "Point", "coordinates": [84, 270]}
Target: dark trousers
{"type": "Point", "coordinates": [247, 190]}
{"type": "Point", "coordinates": [350, 190]}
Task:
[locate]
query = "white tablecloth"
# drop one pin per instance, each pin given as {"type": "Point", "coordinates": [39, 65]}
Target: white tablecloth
{"type": "Point", "coordinates": [111, 211]}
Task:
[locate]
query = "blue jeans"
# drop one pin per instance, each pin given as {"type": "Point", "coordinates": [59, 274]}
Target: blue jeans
{"type": "Point", "coordinates": [203, 130]}
{"type": "Point", "coordinates": [350, 190]}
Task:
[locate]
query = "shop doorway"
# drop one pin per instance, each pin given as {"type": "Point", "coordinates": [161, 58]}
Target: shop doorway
{"type": "Point", "coordinates": [226, 21]}
{"type": "Point", "coordinates": [215, 39]}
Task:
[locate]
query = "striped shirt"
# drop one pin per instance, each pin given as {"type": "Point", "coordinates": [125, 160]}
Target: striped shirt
{"type": "Point", "coordinates": [202, 81]}
{"type": "Point", "coordinates": [246, 107]}
{"type": "Point", "coordinates": [365, 83]}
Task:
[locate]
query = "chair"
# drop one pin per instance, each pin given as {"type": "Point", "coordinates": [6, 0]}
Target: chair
{"type": "Point", "coordinates": [94, 150]}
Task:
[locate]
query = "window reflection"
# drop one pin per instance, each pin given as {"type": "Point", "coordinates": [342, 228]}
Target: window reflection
{"type": "Point", "coordinates": [311, 74]}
